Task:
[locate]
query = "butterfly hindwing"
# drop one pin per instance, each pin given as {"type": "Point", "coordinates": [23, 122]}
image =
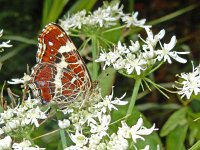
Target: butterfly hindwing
{"type": "Point", "coordinates": [60, 73]}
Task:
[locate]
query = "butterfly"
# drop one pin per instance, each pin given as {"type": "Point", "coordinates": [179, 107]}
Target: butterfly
{"type": "Point", "coordinates": [60, 73]}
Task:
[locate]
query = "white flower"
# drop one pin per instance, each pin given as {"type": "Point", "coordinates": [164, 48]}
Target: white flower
{"type": "Point", "coordinates": [119, 64]}
{"type": "Point", "coordinates": [4, 44]}
{"type": "Point", "coordinates": [149, 53]}
{"type": "Point", "coordinates": [5, 143]}
{"type": "Point", "coordinates": [67, 110]}
{"type": "Point", "coordinates": [165, 53]}
{"type": "Point", "coordinates": [25, 145]}
{"type": "Point", "coordinates": [20, 146]}
{"type": "Point", "coordinates": [132, 20]}
{"type": "Point", "coordinates": [1, 131]}
{"type": "Point", "coordinates": [137, 131]}
{"type": "Point", "coordinates": [79, 139]}
{"type": "Point", "coordinates": [30, 103]}
{"type": "Point", "coordinates": [33, 115]}
{"type": "Point", "coordinates": [134, 46]}
{"type": "Point", "coordinates": [122, 49]}
{"type": "Point", "coordinates": [101, 15]}
{"type": "Point", "coordinates": [16, 81]}
{"type": "Point", "coordinates": [117, 142]}
{"type": "Point", "coordinates": [64, 124]}
{"type": "Point", "coordinates": [23, 80]}
{"type": "Point", "coordinates": [73, 147]}
{"type": "Point", "coordinates": [13, 124]}
{"type": "Point", "coordinates": [86, 116]}
{"type": "Point", "coordinates": [78, 18]}
{"type": "Point", "coordinates": [146, 148]}
{"type": "Point", "coordinates": [6, 115]}
{"type": "Point", "coordinates": [109, 102]}
{"type": "Point", "coordinates": [190, 83]}
{"type": "Point", "coordinates": [124, 130]}
{"type": "Point", "coordinates": [116, 10]}
{"type": "Point", "coordinates": [94, 140]}
{"type": "Point", "coordinates": [134, 63]}
{"type": "Point", "coordinates": [153, 39]}
{"type": "Point", "coordinates": [109, 58]}
{"type": "Point", "coordinates": [101, 128]}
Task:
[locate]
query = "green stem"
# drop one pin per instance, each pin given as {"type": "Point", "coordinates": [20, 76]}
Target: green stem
{"type": "Point", "coordinates": [113, 29]}
{"type": "Point", "coordinates": [62, 131]}
{"type": "Point", "coordinates": [30, 139]}
{"type": "Point", "coordinates": [94, 57]}
{"type": "Point", "coordinates": [133, 97]}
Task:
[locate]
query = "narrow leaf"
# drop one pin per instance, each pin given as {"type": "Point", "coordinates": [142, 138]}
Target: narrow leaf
{"type": "Point", "coordinates": [196, 146]}
{"type": "Point", "coordinates": [80, 5]}
{"type": "Point", "coordinates": [106, 80]}
{"type": "Point", "coordinates": [177, 118]}
{"type": "Point", "coordinates": [175, 140]}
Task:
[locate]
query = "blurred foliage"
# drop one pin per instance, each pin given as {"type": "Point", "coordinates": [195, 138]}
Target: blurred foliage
{"type": "Point", "coordinates": [23, 20]}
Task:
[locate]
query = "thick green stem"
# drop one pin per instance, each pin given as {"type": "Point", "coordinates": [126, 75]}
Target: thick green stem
{"type": "Point", "coordinates": [133, 97]}
{"type": "Point", "coordinates": [62, 131]}
{"type": "Point", "coordinates": [95, 52]}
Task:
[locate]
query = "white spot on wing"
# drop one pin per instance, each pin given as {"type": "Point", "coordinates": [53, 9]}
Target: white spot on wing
{"type": "Point", "coordinates": [67, 48]}
{"type": "Point", "coordinates": [61, 35]}
{"type": "Point", "coordinates": [58, 83]}
{"type": "Point", "coordinates": [73, 79]}
{"type": "Point", "coordinates": [40, 45]}
{"type": "Point", "coordinates": [50, 43]}
{"type": "Point", "coordinates": [44, 46]}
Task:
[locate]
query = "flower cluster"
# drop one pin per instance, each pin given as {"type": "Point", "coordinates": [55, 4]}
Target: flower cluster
{"type": "Point", "coordinates": [120, 140]}
{"type": "Point", "coordinates": [4, 44]}
{"type": "Point", "coordinates": [6, 144]}
{"type": "Point", "coordinates": [189, 83]}
{"type": "Point", "coordinates": [17, 121]}
{"type": "Point", "coordinates": [105, 16]}
{"type": "Point", "coordinates": [26, 144]}
{"type": "Point", "coordinates": [137, 58]}
{"type": "Point", "coordinates": [91, 124]}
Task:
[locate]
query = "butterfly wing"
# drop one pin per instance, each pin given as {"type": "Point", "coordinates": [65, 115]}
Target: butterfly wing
{"type": "Point", "coordinates": [60, 73]}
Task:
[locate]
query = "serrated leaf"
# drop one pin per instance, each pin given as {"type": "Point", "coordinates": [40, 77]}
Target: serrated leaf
{"type": "Point", "coordinates": [177, 118]}
{"type": "Point", "coordinates": [175, 140]}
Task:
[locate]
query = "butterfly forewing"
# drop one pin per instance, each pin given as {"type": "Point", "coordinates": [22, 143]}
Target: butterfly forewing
{"type": "Point", "coordinates": [60, 73]}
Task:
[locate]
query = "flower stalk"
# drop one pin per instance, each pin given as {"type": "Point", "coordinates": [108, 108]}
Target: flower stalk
{"type": "Point", "coordinates": [94, 57]}
{"type": "Point", "coordinates": [62, 131]}
{"type": "Point", "coordinates": [133, 97]}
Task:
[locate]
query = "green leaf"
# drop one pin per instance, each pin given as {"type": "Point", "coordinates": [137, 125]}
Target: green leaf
{"type": "Point", "coordinates": [194, 124]}
{"type": "Point", "coordinates": [52, 10]}
{"type": "Point", "coordinates": [196, 146]}
{"type": "Point", "coordinates": [177, 118]}
{"type": "Point", "coordinates": [46, 9]}
{"type": "Point", "coordinates": [82, 4]}
{"type": "Point", "coordinates": [175, 140]}
{"type": "Point", "coordinates": [15, 51]}
{"type": "Point", "coordinates": [173, 15]}
{"type": "Point", "coordinates": [20, 39]}
{"type": "Point", "coordinates": [106, 80]}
